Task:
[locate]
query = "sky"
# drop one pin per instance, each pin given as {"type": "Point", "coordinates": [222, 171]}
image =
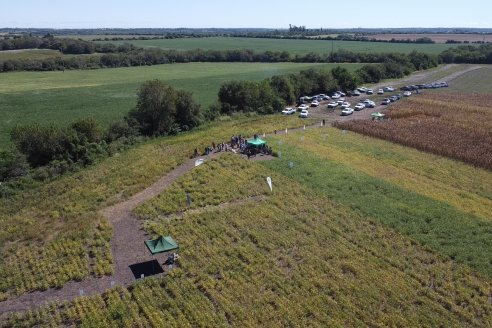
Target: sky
{"type": "Point", "coordinates": [241, 13]}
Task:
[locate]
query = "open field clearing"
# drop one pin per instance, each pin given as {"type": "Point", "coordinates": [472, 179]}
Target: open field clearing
{"type": "Point", "coordinates": [438, 38]}
{"type": "Point", "coordinates": [458, 126]}
{"type": "Point", "coordinates": [59, 222]}
{"type": "Point", "coordinates": [443, 204]}
{"type": "Point", "coordinates": [294, 47]}
{"type": "Point", "coordinates": [28, 54]}
{"type": "Point", "coordinates": [476, 81]}
{"type": "Point", "coordinates": [107, 95]}
{"type": "Point", "coordinates": [292, 257]}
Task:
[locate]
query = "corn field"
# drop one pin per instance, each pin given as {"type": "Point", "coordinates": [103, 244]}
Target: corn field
{"type": "Point", "coordinates": [457, 126]}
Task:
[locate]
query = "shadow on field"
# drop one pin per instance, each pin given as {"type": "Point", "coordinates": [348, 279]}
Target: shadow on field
{"type": "Point", "coordinates": [148, 268]}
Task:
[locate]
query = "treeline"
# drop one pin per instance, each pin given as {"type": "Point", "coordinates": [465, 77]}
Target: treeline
{"type": "Point", "coordinates": [65, 46]}
{"type": "Point", "coordinates": [271, 95]}
{"type": "Point", "coordinates": [468, 54]}
{"type": "Point", "coordinates": [123, 56]}
{"type": "Point", "coordinates": [42, 153]}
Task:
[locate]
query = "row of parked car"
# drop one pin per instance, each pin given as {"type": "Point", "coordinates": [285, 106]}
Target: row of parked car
{"type": "Point", "coordinates": [347, 110]}
{"type": "Point", "coordinates": [415, 87]}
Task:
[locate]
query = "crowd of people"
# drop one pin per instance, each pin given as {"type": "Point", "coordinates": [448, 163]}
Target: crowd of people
{"type": "Point", "coordinates": [238, 144]}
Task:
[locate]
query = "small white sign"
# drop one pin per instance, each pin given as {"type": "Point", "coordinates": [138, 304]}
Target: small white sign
{"type": "Point", "coordinates": [269, 181]}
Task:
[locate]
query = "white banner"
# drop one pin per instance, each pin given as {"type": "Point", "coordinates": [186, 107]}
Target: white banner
{"type": "Point", "coordinates": [269, 181]}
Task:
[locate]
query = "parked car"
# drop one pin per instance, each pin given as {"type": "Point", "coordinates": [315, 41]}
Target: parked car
{"type": "Point", "coordinates": [362, 89]}
{"type": "Point", "coordinates": [342, 94]}
{"type": "Point", "coordinates": [303, 106]}
{"type": "Point", "coordinates": [314, 103]}
{"type": "Point", "coordinates": [385, 101]}
{"type": "Point", "coordinates": [340, 101]}
{"type": "Point", "coordinates": [369, 103]}
{"type": "Point", "coordinates": [380, 92]}
{"type": "Point", "coordinates": [393, 98]}
{"type": "Point", "coordinates": [304, 113]}
{"type": "Point", "coordinates": [359, 106]}
{"type": "Point", "coordinates": [335, 96]}
{"type": "Point", "coordinates": [369, 91]}
{"type": "Point", "coordinates": [332, 104]}
{"type": "Point", "coordinates": [388, 89]}
{"type": "Point", "coordinates": [345, 104]}
{"type": "Point", "coordinates": [326, 97]}
{"type": "Point", "coordinates": [288, 111]}
{"type": "Point", "coordinates": [356, 93]}
{"type": "Point", "coordinates": [347, 111]}
{"type": "Point", "coordinates": [407, 94]}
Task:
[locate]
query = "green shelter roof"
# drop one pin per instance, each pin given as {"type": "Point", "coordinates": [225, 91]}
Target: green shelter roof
{"type": "Point", "coordinates": [256, 142]}
{"type": "Point", "coordinates": [161, 244]}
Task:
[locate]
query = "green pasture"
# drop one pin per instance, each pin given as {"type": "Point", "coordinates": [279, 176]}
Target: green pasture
{"type": "Point", "coordinates": [28, 54]}
{"type": "Point", "coordinates": [108, 94]}
{"type": "Point", "coordinates": [295, 47]}
{"type": "Point", "coordinates": [475, 81]}
{"type": "Point", "coordinates": [370, 178]}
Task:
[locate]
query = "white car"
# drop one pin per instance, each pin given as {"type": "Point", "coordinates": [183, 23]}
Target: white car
{"type": "Point", "coordinates": [303, 106]}
{"type": "Point", "coordinates": [340, 101]}
{"type": "Point", "coordinates": [345, 104]}
{"type": "Point", "coordinates": [288, 111]}
{"type": "Point", "coordinates": [356, 93]}
{"type": "Point", "coordinates": [385, 101]}
{"type": "Point", "coordinates": [347, 111]}
{"type": "Point", "coordinates": [335, 96]}
{"type": "Point", "coordinates": [359, 106]}
{"type": "Point", "coordinates": [332, 104]}
{"type": "Point", "coordinates": [380, 91]}
{"type": "Point", "coordinates": [369, 103]}
{"type": "Point", "coordinates": [407, 94]}
{"type": "Point", "coordinates": [388, 89]}
{"type": "Point", "coordinates": [362, 89]}
{"type": "Point", "coordinates": [304, 113]}
{"type": "Point", "coordinates": [369, 91]}
{"type": "Point", "coordinates": [315, 103]}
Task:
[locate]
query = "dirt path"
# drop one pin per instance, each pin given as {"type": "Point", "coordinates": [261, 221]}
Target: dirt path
{"type": "Point", "coordinates": [127, 230]}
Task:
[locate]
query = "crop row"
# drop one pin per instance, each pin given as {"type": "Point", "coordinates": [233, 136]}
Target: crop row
{"type": "Point", "coordinates": [296, 258]}
{"type": "Point", "coordinates": [456, 130]}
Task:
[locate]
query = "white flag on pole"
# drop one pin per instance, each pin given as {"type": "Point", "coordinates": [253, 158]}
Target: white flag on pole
{"type": "Point", "coordinates": [269, 181]}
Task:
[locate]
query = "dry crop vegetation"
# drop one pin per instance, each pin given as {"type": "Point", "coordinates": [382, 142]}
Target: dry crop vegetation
{"type": "Point", "coordinates": [458, 126]}
{"type": "Point", "coordinates": [293, 258]}
{"type": "Point", "coordinates": [53, 234]}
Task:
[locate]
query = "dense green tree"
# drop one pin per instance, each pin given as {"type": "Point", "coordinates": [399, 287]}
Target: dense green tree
{"type": "Point", "coordinates": [161, 109]}
{"type": "Point", "coordinates": [346, 80]}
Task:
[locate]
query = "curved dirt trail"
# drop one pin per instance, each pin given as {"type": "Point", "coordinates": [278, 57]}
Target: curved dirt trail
{"type": "Point", "coordinates": [127, 231]}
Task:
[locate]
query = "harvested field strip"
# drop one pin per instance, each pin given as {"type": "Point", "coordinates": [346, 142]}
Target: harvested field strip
{"type": "Point", "coordinates": [443, 180]}
{"type": "Point", "coordinates": [456, 130]}
{"type": "Point", "coordinates": [463, 237]}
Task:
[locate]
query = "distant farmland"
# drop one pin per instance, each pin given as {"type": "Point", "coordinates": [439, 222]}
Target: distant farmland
{"type": "Point", "coordinates": [296, 47]}
{"type": "Point", "coordinates": [108, 94]}
{"type": "Point", "coordinates": [438, 38]}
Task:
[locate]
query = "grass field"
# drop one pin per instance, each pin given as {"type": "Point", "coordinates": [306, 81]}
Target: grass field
{"type": "Point", "coordinates": [439, 38]}
{"type": "Point", "coordinates": [28, 54]}
{"type": "Point", "coordinates": [295, 47]}
{"type": "Point", "coordinates": [476, 81]}
{"type": "Point", "coordinates": [62, 97]}
{"type": "Point", "coordinates": [305, 255]}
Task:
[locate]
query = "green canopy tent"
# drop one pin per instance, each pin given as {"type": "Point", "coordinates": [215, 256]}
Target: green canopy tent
{"type": "Point", "coordinates": [161, 244]}
{"type": "Point", "coordinates": [258, 142]}
{"type": "Point", "coordinates": [377, 116]}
